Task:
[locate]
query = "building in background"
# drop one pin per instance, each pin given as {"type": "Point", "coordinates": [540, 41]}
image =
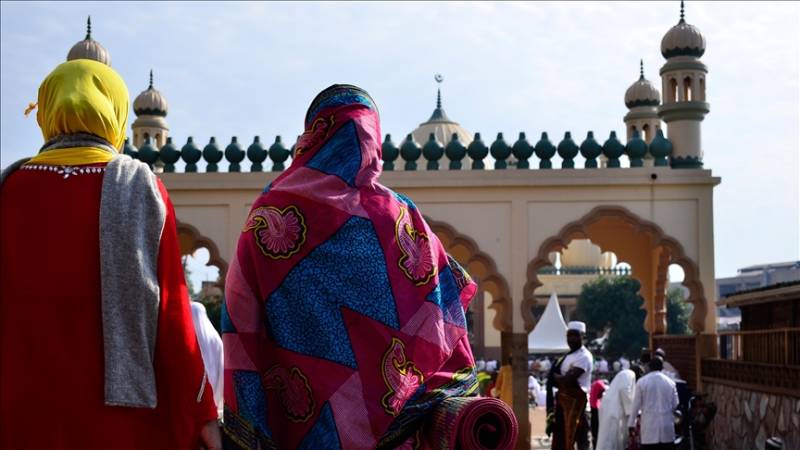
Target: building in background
{"type": "Point", "coordinates": [749, 278]}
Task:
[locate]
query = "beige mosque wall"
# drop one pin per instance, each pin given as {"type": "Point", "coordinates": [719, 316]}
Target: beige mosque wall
{"type": "Point", "coordinates": [491, 336]}
{"type": "Point", "coordinates": [508, 214]}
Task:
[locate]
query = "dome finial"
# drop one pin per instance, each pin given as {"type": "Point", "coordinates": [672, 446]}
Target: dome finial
{"type": "Point", "coordinates": [641, 69]}
{"type": "Point", "coordinates": [89, 28]}
{"type": "Point", "coordinates": [682, 11]}
{"type": "Point", "coordinates": [439, 78]}
{"type": "Point", "coordinates": [151, 79]}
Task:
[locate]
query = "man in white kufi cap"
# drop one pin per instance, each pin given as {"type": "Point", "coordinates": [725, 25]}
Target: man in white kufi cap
{"type": "Point", "coordinates": [567, 411]}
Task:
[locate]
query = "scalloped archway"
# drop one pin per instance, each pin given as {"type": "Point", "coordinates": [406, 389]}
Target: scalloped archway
{"type": "Point", "coordinates": [481, 267]}
{"type": "Point", "coordinates": [190, 240]}
{"type": "Point", "coordinates": [665, 250]}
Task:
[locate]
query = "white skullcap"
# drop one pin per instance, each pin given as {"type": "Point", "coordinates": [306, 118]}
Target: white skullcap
{"type": "Point", "coordinates": [661, 352]}
{"type": "Point", "coordinates": [576, 325]}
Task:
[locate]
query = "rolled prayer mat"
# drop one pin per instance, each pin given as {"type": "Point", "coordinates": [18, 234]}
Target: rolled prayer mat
{"type": "Point", "coordinates": [471, 423]}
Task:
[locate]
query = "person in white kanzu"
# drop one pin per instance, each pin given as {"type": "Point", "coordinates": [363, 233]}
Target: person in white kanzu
{"type": "Point", "coordinates": [572, 375]}
{"type": "Point", "coordinates": [615, 410]}
{"type": "Point", "coordinates": [669, 369]}
{"type": "Point", "coordinates": [210, 350]}
{"type": "Point", "coordinates": [657, 398]}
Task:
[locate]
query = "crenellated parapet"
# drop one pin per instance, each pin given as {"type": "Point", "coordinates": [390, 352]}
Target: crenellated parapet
{"type": "Point", "coordinates": [409, 155]}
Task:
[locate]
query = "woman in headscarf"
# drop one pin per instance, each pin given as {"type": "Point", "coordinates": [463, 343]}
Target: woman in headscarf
{"type": "Point", "coordinates": [344, 324]}
{"type": "Point", "coordinates": [97, 346]}
{"type": "Point", "coordinates": [614, 412]}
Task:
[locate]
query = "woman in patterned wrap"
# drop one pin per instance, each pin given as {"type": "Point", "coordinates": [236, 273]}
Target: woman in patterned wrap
{"type": "Point", "coordinates": [344, 321]}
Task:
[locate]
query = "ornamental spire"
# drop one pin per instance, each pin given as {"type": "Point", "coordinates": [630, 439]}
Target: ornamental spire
{"type": "Point", "coordinates": [682, 11]}
{"type": "Point", "coordinates": [439, 78]}
{"type": "Point", "coordinates": [641, 69]}
{"type": "Point", "coordinates": [151, 79]}
{"type": "Point", "coordinates": [89, 28]}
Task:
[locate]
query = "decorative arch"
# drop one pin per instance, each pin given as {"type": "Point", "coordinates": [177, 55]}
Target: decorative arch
{"type": "Point", "coordinates": [688, 93]}
{"type": "Point", "coordinates": [673, 90]}
{"type": "Point", "coordinates": [191, 240]}
{"type": "Point", "coordinates": [480, 266]}
{"type": "Point", "coordinates": [578, 230]}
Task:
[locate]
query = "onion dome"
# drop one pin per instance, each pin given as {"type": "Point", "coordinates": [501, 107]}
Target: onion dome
{"type": "Point", "coordinates": [582, 253]}
{"type": "Point", "coordinates": [89, 48]}
{"type": "Point", "coordinates": [683, 40]}
{"type": "Point", "coordinates": [642, 92]}
{"type": "Point", "coordinates": [440, 125]}
{"type": "Point", "coordinates": [150, 102]}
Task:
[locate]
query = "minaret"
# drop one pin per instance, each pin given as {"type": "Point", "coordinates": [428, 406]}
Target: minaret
{"type": "Point", "coordinates": [150, 108]}
{"type": "Point", "coordinates": [684, 85]}
{"type": "Point", "coordinates": [88, 48]}
{"type": "Point", "coordinates": [642, 99]}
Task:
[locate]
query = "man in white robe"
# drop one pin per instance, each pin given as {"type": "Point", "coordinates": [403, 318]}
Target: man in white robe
{"type": "Point", "coordinates": [657, 397]}
{"type": "Point", "coordinates": [210, 349]}
{"type": "Point", "coordinates": [669, 369]}
{"type": "Point", "coordinates": [614, 412]}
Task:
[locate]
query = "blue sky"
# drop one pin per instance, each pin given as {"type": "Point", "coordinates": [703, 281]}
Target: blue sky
{"type": "Point", "coordinates": [246, 69]}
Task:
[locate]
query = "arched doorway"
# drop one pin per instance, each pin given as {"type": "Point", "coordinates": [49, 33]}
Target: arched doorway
{"type": "Point", "coordinates": [650, 252]}
{"type": "Point", "coordinates": [493, 288]}
{"type": "Point", "coordinates": [190, 240]}
{"type": "Point", "coordinates": [198, 254]}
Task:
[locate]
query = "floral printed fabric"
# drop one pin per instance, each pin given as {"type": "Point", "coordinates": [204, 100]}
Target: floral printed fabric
{"type": "Point", "coordinates": [344, 318]}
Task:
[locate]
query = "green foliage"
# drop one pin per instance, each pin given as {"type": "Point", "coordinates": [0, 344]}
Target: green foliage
{"type": "Point", "coordinates": [187, 275]}
{"type": "Point", "coordinates": [614, 303]}
{"type": "Point", "coordinates": [213, 304]}
{"type": "Point", "coordinates": [677, 313]}
{"type": "Point", "coordinates": [214, 311]}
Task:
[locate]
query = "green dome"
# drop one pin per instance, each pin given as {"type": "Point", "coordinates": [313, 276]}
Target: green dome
{"type": "Point", "coordinates": [190, 155]}
{"type": "Point", "coordinates": [522, 150]}
{"type": "Point", "coordinates": [433, 151]}
{"type": "Point", "coordinates": [500, 152]}
{"type": "Point", "coordinates": [235, 155]}
{"type": "Point", "coordinates": [389, 153]}
{"type": "Point", "coordinates": [613, 149]}
{"type": "Point", "coordinates": [170, 155]}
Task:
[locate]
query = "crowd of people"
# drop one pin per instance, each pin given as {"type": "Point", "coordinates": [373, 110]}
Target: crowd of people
{"type": "Point", "coordinates": [592, 403]}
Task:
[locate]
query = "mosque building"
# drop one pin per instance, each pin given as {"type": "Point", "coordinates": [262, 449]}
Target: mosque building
{"type": "Point", "coordinates": [683, 109]}
{"type": "Point", "coordinates": [522, 231]}
{"type": "Point", "coordinates": [441, 126]}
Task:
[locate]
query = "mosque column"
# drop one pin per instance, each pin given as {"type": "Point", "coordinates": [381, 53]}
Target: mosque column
{"type": "Point", "coordinates": [515, 346]}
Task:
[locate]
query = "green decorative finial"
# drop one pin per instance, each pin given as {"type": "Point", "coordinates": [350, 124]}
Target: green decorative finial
{"type": "Point", "coordinates": [151, 79]}
{"type": "Point", "coordinates": [641, 69]}
{"type": "Point", "coordinates": [89, 28]}
{"type": "Point", "coordinates": [682, 11]}
{"type": "Point", "coordinates": [439, 78]}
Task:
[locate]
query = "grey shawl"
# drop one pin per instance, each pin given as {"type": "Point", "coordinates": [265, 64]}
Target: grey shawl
{"type": "Point", "coordinates": [132, 216]}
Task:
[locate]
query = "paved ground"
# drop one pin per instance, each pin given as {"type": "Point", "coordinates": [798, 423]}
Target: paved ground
{"type": "Point", "coordinates": [538, 439]}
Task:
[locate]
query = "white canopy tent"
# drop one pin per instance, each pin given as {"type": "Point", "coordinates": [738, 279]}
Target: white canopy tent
{"type": "Point", "coordinates": [550, 334]}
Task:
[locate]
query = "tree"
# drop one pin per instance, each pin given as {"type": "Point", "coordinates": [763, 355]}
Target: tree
{"type": "Point", "coordinates": [613, 304]}
{"type": "Point", "coordinates": [677, 313]}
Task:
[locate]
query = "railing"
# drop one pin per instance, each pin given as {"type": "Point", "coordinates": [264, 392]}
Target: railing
{"type": "Point", "coordinates": [778, 346]}
{"type": "Point", "coordinates": [681, 351]}
{"type": "Point", "coordinates": [505, 156]}
{"type": "Point", "coordinates": [770, 378]}
{"type": "Point", "coordinates": [585, 270]}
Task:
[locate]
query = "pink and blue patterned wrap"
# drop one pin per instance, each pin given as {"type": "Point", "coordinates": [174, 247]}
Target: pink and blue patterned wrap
{"type": "Point", "coordinates": [344, 320]}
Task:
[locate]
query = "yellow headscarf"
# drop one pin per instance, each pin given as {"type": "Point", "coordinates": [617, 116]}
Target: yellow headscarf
{"type": "Point", "coordinates": [84, 96]}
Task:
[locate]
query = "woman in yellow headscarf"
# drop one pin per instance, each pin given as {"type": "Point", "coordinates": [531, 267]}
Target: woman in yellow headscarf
{"type": "Point", "coordinates": [94, 311]}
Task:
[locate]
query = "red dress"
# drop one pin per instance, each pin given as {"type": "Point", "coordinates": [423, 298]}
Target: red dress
{"type": "Point", "coordinates": [51, 336]}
